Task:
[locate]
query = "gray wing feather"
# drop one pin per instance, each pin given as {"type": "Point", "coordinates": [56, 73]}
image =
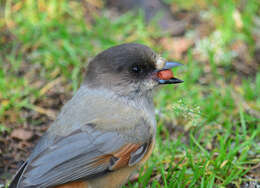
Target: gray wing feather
{"type": "Point", "coordinates": [71, 158]}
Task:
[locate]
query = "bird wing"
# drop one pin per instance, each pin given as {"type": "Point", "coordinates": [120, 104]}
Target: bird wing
{"type": "Point", "coordinates": [81, 155]}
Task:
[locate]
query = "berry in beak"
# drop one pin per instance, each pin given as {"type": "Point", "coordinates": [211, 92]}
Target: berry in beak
{"type": "Point", "coordinates": [165, 75]}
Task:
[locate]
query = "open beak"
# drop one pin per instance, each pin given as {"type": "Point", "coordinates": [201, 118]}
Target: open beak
{"type": "Point", "coordinates": [165, 75]}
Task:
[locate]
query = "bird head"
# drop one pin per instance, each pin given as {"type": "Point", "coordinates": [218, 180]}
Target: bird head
{"type": "Point", "coordinates": [130, 69]}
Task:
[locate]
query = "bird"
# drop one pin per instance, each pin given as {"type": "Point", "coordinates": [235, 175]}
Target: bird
{"type": "Point", "coordinates": [106, 131]}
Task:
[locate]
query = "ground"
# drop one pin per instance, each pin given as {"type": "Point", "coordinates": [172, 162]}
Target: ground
{"type": "Point", "coordinates": [208, 127]}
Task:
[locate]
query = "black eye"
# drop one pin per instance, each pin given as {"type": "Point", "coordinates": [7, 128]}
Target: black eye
{"type": "Point", "coordinates": [137, 69]}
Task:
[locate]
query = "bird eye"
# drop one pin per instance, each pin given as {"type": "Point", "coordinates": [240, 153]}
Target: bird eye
{"type": "Point", "coordinates": [137, 69]}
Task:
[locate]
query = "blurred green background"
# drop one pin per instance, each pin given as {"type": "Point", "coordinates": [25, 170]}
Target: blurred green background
{"type": "Point", "coordinates": [208, 127]}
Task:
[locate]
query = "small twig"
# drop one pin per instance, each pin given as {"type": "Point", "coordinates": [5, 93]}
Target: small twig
{"type": "Point", "coordinates": [50, 85]}
{"type": "Point", "coordinates": [50, 113]}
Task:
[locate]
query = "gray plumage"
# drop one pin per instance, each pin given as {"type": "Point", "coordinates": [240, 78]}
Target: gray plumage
{"type": "Point", "coordinates": [111, 109]}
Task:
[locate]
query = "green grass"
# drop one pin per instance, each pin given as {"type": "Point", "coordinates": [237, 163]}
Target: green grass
{"type": "Point", "coordinates": [208, 132]}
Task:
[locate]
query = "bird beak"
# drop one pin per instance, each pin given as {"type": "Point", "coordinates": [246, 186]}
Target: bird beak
{"type": "Point", "coordinates": [165, 75]}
